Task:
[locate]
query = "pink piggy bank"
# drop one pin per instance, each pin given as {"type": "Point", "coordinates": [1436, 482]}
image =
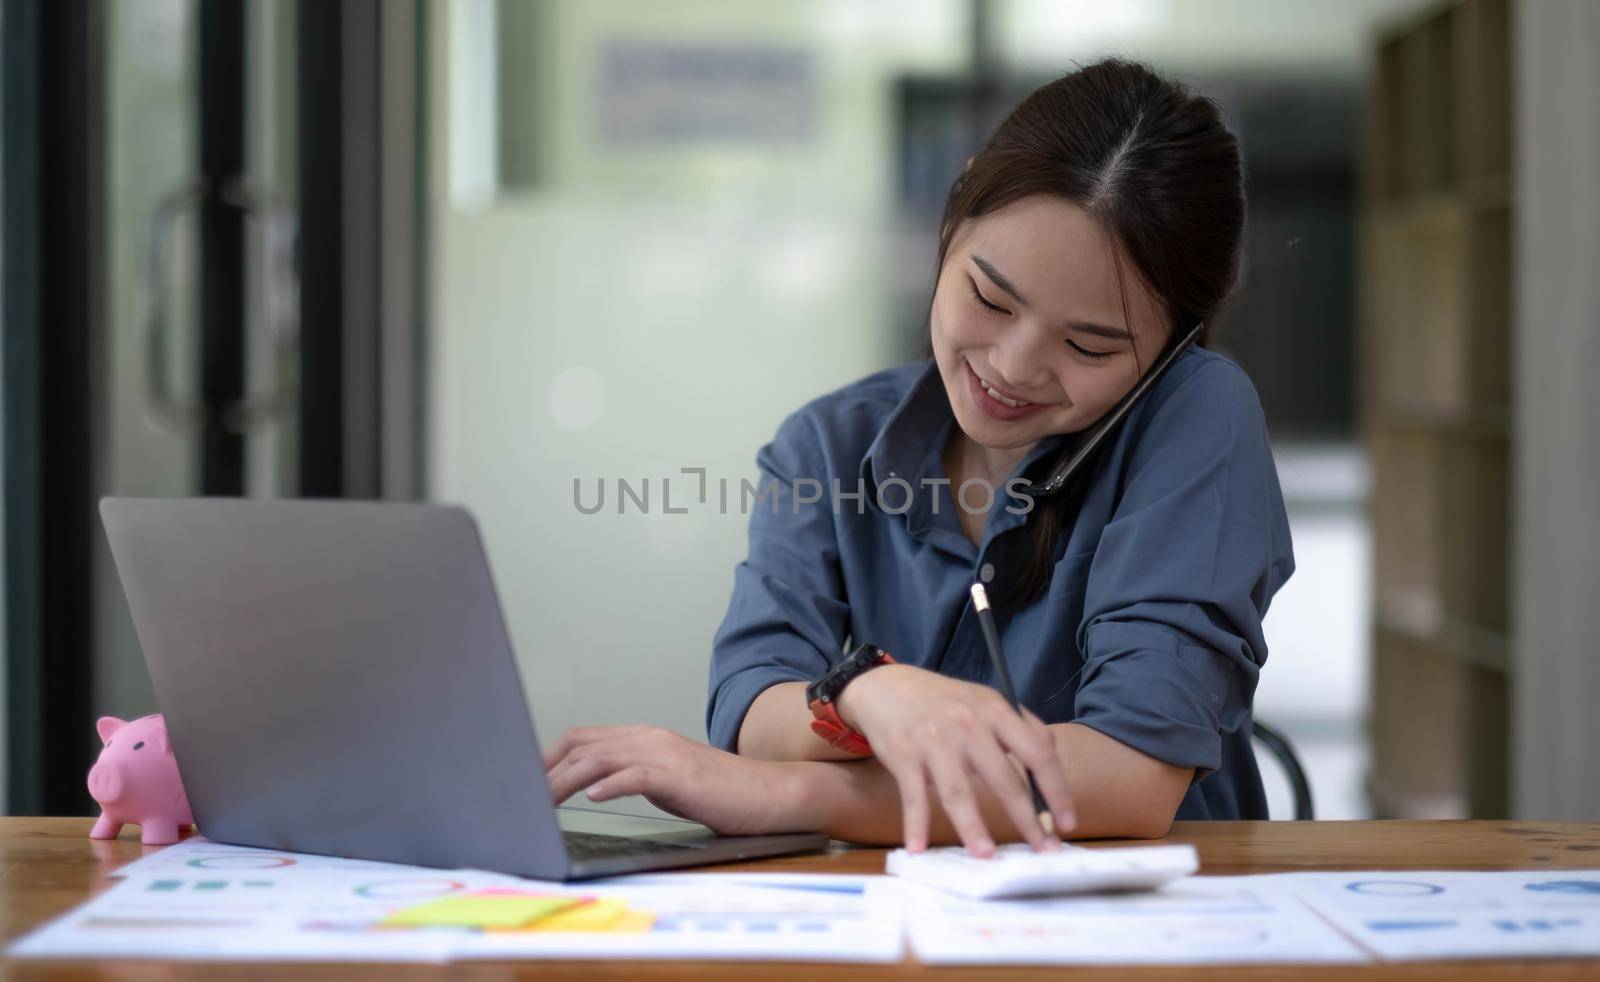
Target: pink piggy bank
{"type": "Point", "coordinates": [136, 780]}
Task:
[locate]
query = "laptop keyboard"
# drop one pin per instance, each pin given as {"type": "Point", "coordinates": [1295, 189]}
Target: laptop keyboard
{"type": "Point", "coordinates": [591, 845]}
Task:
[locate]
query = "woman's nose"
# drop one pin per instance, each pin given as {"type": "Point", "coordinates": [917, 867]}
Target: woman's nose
{"type": "Point", "coordinates": [1019, 358]}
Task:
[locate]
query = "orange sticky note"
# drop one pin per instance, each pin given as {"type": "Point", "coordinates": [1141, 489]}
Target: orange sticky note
{"type": "Point", "coordinates": [634, 922]}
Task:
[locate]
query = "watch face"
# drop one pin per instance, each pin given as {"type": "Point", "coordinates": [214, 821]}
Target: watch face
{"type": "Point", "coordinates": [865, 657]}
{"type": "Point", "coordinates": [827, 688]}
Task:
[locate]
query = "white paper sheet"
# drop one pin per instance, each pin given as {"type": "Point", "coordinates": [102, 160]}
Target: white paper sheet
{"type": "Point", "coordinates": [197, 853]}
{"type": "Point", "coordinates": [256, 915]}
{"type": "Point", "coordinates": [1403, 916]}
{"type": "Point", "coordinates": [1199, 920]}
{"type": "Point", "coordinates": [298, 912]}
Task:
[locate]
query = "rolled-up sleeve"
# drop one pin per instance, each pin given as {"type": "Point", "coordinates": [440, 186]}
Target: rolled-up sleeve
{"type": "Point", "coordinates": [788, 616]}
{"type": "Point", "coordinates": [1183, 574]}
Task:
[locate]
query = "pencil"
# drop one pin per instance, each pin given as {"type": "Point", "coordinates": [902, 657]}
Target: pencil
{"type": "Point", "coordinates": [991, 637]}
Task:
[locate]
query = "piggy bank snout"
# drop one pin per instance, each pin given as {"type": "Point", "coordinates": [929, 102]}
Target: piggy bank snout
{"type": "Point", "coordinates": [106, 782]}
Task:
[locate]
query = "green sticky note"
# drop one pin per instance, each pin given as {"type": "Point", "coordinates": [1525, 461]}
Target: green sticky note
{"type": "Point", "coordinates": [480, 911]}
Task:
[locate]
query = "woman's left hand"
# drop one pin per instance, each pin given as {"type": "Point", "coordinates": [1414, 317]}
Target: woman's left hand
{"type": "Point", "coordinates": [732, 795]}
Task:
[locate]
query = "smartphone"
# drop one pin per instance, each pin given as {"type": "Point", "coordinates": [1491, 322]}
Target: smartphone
{"type": "Point", "coordinates": [1071, 462]}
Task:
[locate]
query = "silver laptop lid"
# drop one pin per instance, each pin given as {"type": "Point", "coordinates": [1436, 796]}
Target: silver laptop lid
{"type": "Point", "coordinates": [337, 679]}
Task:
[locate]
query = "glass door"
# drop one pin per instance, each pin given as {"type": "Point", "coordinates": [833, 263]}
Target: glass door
{"type": "Point", "coordinates": [195, 391]}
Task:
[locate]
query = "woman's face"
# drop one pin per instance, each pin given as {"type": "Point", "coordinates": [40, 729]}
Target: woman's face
{"type": "Point", "coordinates": [1044, 346]}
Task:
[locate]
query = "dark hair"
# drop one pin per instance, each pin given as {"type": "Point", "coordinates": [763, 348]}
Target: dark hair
{"type": "Point", "coordinates": [1154, 164]}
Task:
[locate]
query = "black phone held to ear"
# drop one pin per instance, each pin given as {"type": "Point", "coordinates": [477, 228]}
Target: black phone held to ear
{"type": "Point", "coordinates": [1063, 471]}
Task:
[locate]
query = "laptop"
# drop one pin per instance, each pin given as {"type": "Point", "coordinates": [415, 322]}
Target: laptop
{"type": "Point", "coordinates": [337, 679]}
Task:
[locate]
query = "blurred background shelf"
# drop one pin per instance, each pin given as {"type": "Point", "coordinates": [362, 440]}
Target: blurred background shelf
{"type": "Point", "coordinates": [1436, 416]}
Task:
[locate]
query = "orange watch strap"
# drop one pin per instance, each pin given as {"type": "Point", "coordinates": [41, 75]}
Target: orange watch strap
{"type": "Point", "coordinates": [836, 731]}
{"type": "Point", "coordinates": [827, 724]}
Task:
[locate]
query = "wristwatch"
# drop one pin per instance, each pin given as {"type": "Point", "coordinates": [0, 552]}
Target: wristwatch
{"type": "Point", "coordinates": [823, 694]}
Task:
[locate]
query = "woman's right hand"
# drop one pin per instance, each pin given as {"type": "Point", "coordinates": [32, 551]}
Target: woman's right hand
{"type": "Point", "coordinates": [925, 727]}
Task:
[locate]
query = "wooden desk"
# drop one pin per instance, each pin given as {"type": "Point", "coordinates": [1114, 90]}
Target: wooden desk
{"type": "Point", "coordinates": [47, 865]}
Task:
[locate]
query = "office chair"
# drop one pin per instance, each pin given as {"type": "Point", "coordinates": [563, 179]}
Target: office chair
{"type": "Point", "coordinates": [1279, 746]}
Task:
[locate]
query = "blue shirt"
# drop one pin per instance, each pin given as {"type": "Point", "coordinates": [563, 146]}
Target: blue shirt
{"type": "Point", "coordinates": [1149, 630]}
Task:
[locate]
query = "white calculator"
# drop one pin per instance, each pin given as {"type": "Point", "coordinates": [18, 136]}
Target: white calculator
{"type": "Point", "coordinates": [1015, 870]}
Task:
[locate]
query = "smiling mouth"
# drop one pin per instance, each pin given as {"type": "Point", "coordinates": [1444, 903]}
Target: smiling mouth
{"type": "Point", "coordinates": [999, 396]}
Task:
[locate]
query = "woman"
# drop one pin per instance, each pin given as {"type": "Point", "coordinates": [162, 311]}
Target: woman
{"type": "Point", "coordinates": [1100, 223]}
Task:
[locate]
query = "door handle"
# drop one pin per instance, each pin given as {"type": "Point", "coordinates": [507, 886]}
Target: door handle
{"type": "Point", "coordinates": [278, 224]}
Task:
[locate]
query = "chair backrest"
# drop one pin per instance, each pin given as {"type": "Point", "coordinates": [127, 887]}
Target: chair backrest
{"type": "Point", "coordinates": [1279, 746]}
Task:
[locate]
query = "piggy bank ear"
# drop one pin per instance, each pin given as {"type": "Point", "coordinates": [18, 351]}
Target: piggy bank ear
{"type": "Point", "coordinates": [158, 740]}
{"type": "Point", "coordinates": [108, 725]}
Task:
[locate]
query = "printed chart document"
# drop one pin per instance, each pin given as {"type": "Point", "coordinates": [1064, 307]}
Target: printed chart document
{"type": "Point", "coordinates": [198, 853]}
{"type": "Point", "coordinates": [1200, 920]}
{"type": "Point", "coordinates": [201, 900]}
{"type": "Point", "coordinates": [1411, 915]}
{"type": "Point", "coordinates": [798, 917]}
{"type": "Point", "coordinates": [261, 914]}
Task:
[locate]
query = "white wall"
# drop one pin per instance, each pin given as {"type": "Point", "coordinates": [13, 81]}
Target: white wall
{"type": "Point", "coordinates": [642, 311]}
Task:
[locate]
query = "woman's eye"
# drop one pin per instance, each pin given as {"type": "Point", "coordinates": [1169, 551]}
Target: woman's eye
{"type": "Point", "coordinates": [1092, 355]}
{"type": "Point", "coordinates": [978, 298]}
{"type": "Point", "coordinates": [982, 301]}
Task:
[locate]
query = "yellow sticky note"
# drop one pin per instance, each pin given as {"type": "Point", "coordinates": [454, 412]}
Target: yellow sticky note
{"type": "Point", "coordinates": [601, 915]}
{"type": "Point", "coordinates": [480, 911]}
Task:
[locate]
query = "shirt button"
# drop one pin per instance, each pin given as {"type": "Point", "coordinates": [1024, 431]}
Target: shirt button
{"type": "Point", "coordinates": [986, 572]}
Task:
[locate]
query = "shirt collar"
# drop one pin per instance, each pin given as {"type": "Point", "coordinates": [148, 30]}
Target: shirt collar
{"type": "Point", "coordinates": [911, 439]}
{"type": "Point", "coordinates": [917, 423]}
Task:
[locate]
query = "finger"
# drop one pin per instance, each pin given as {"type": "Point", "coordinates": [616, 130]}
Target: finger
{"type": "Point", "coordinates": [955, 794]}
{"type": "Point", "coordinates": [587, 765]}
{"type": "Point", "coordinates": [556, 776]}
{"type": "Point", "coordinates": [991, 763]}
{"type": "Point", "coordinates": [911, 778]}
{"type": "Point", "coordinates": [627, 746]}
{"type": "Point", "coordinates": [574, 776]}
{"type": "Point", "coordinates": [1034, 744]}
{"type": "Point", "coordinates": [568, 776]}
{"type": "Point", "coordinates": [912, 781]}
{"type": "Point", "coordinates": [555, 754]}
{"type": "Point", "coordinates": [635, 779]}
{"type": "Point", "coordinates": [580, 736]}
